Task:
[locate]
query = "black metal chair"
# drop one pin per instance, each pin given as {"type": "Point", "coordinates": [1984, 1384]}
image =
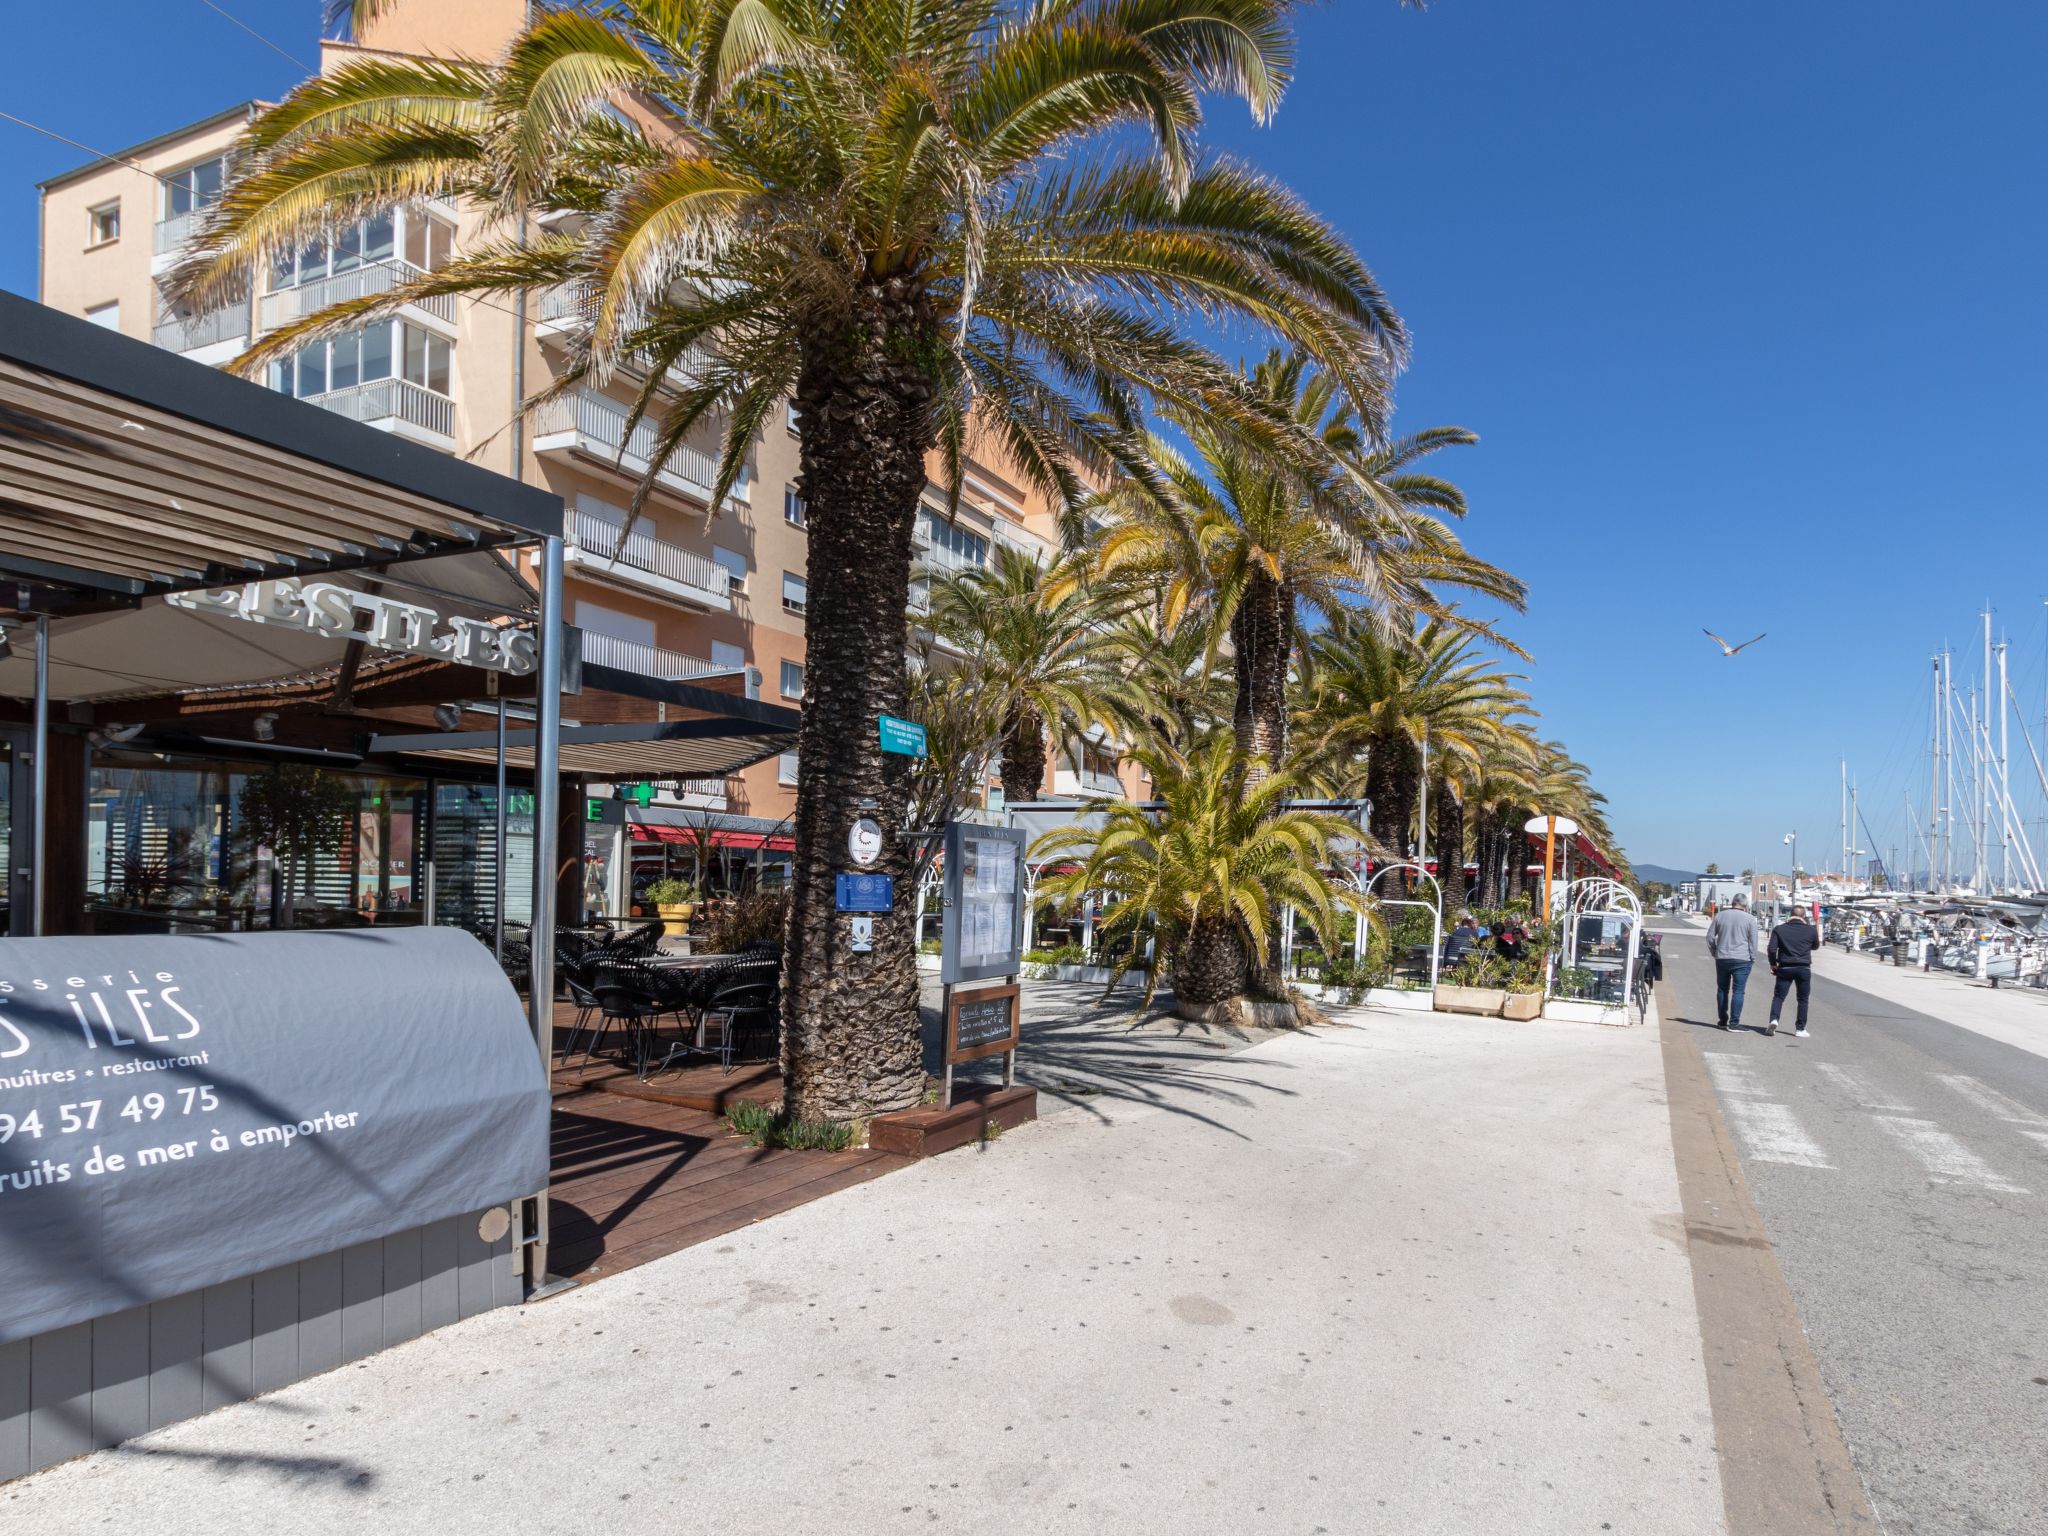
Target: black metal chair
{"type": "Point", "coordinates": [626, 994]}
{"type": "Point", "coordinates": [743, 997]}
{"type": "Point", "coordinates": [589, 1012]}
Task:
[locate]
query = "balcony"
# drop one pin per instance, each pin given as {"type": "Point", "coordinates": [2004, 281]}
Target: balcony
{"type": "Point", "coordinates": [645, 563]}
{"type": "Point", "coordinates": [173, 234]}
{"type": "Point", "coordinates": [564, 314]}
{"type": "Point", "coordinates": [1089, 784]}
{"type": "Point", "coordinates": [397, 406]}
{"type": "Point", "coordinates": [647, 660]}
{"type": "Point", "coordinates": [593, 426]}
{"type": "Point", "coordinates": [193, 333]}
{"type": "Point", "coordinates": [289, 304]}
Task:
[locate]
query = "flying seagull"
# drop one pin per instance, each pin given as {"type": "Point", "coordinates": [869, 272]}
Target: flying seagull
{"type": "Point", "coordinates": [1726, 648]}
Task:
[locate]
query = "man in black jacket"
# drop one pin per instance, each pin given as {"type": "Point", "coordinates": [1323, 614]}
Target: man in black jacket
{"type": "Point", "coordinates": [1791, 955]}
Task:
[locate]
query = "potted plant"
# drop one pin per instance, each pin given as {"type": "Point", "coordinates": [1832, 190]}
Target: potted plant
{"type": "Point", "coordinates": [676, 901]}
{"type": "Point", "coordinates": [1525, 990]}
{"type": "Point", "coordinates": [1477, 984]}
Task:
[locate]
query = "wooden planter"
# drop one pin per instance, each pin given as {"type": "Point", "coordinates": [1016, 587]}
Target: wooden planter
{"type": "Point", "coordinates": [1523, 1006]}
{"type": "Point", "coordinates": [1485, 1001]}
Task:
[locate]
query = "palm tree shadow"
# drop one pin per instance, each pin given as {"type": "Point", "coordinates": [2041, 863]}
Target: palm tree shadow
{"type": "Point", "coordinates": [1086, 1053]}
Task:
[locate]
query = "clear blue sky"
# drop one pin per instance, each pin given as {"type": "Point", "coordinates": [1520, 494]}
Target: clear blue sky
{"type": "Point", "coordinates": [1746, 300]}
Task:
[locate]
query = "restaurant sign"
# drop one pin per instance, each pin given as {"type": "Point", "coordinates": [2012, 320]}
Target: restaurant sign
{"type": "Point", "coordinates": [323, 608]}
{"type": "Point", "coordinates": [180, 1112]}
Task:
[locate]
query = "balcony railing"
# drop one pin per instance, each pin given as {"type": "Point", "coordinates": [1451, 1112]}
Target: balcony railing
{"type": "Point", "coordinates": [648, 661]}
{"type": "Point", "coordinates": [566, 308]}
{"type": "Point", "coordinates": [382, 402]}
{"type": "Point", "coordinates": [598, 537]}
{"type": "Point", "coordinates": [599, 425]}
{"type": "Point", "coordinates": [288, 304]}
{"type": "Point", "coordinates": [172, 233]}
{"type": "Point", "coordinates": [188, 333]}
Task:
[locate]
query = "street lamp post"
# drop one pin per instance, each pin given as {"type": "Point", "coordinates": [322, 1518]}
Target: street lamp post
{"type": "Point", "coordinates": [1793, 839]}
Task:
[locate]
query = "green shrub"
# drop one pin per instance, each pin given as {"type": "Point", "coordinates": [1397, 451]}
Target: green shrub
{"type": "Point", "coordinates": [762, 1126]}
{"type": "Point", "coordinates": [670, 892]}
{"type": "Point", "coordinates": [1065, 954]}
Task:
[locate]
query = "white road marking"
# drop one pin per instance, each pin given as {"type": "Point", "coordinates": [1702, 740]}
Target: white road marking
{"type": "Point", "coordinates": [1994, 1103]}
{"type": "Point", "coordinates": [1856, 1086]}
{"type": "Point", "coordinates": [1773, 1135]}
{"type": "Point", "coordinates": [1946, 1160]}
{"type": "Point", "coordinates": [2040, 1138]}
{"type": "Point", "coordinates": [1734, 1075]}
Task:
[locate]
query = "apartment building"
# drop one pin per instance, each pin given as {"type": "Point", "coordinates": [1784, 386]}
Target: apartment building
{"type": "Point", "coordinates": [692, 590]}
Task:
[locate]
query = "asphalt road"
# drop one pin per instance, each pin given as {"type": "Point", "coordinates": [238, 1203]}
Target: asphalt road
{"type": "Point", "coordinates": [1900, 1164]}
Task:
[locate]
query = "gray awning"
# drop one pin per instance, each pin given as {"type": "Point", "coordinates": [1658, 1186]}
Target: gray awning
{"type": "Point", "coordinates": [674, 749]}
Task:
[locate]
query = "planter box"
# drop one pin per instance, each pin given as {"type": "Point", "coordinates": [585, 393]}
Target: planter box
{"type": "Point", "coordinates": [1577, 1011]}
{"type": "Point", "coordinates": [975, 1106]}
{"type": "Point", "coordinates": [1485, 1001]}
{"type": "Point", "coordinates": [1407, 999]}
{"type": "Point", "coordinates": [1094, 975]}
{"type": "Point", "coordinates": [1523, 1006]}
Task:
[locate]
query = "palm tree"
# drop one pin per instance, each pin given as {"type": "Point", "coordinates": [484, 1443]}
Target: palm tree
{"type": "Point", "coordinates": [1213, 866]}
{"type": "Point", "coordinates": [1385, 697]}
{"type": "Point", "coordinates": [908, 216]}
{"type": "Point", "coordinates": [1258, 546]}
{"type": "Point", "coordinates": [1033, 647]}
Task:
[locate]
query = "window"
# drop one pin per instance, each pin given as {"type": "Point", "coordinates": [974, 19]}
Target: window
{"type": "Point", "coordinates": [726, 656]}
{"type": "Point", "coordinates": [429, 241]}
{"type": "Point", "coordinates": [103, 224]}
{"type": "Point", "coordinates": [108, 315]}
{"type": "Point", "coordinates": [362, 357]}
{"type": "Point", "coordinates": [791, 419]}
{"type": "Point", "coordinates": [426, 359]}
{"type": "Point", "coordinates": [785, 768]}
{"type": "Point", "coordinates": [195, 187]}
{"type": "Point", "coordinates": [953, 548]}
{"type": "Point", "coordinates": [1094, 762]}
{"type": "Point", "coordinates": [794, 594]}
{"type": "Point", "coordinates": [792, 679]}
{"type": "Point", "coordinates": [367, 243]}
{"type": "Point", "coordinates": [793, 510]}
{"type": "Point", "coordinates": [735, 565]}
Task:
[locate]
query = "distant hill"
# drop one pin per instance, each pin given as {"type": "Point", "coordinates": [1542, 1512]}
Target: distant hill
{"type": "Point", "coordinates": [1660, 873]}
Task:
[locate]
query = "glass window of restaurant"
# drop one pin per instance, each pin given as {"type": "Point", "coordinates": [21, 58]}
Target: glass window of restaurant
{"type": "Point", "coordinates": [178, 844]}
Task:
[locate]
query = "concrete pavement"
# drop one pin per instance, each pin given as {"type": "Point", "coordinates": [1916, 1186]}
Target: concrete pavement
{"type": "Point", "coordinates": [1899, 1161]}
{"type": "Point", "coordinates": [1421, 1276]}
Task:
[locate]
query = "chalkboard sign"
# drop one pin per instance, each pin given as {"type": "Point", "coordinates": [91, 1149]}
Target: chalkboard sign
{"type": "Point", "coordinates": [982, 1023]}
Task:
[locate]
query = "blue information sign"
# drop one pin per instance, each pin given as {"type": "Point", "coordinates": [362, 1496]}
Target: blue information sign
{"type": "Point", "coordinates": [867, 893]}
{"type": "Point", "coordinates": [903, 736]}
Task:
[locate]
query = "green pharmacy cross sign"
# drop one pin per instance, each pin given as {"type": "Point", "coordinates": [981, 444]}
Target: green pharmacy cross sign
{"type": "Point", "coordinates": [902, 736]}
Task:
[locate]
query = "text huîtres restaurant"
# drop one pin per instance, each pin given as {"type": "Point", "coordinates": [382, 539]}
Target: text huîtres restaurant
{"type": "Point", "coordinates": [289, 807]}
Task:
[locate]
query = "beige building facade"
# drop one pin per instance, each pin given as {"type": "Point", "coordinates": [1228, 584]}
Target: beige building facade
{"type": "Point", "coordinates": [692, 590]}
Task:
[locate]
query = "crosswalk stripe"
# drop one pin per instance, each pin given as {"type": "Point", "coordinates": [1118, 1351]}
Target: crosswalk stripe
{"type": "Point", "coordinates": [1994, 1103]}
{"type": "Point", "coordinates": [1734, 1075]}
{"type": "Point", "coordinates": [1946, 1159]}
{"type": "Point", "coordinates": [1856, 1086]}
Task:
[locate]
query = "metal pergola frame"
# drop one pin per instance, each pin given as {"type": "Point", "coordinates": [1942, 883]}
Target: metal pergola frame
{"type": "Point", "coordinates": [128, 472]}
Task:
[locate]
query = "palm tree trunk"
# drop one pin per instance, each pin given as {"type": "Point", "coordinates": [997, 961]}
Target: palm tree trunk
{"type": "Point", "coordinates": [1211, 963]}
{"type": "Point", "coordinates": [1023, 756]}
{"type": "Point", "coordinates": [1518, 862]}
{"type": "Point", "coordinates": [1449, 842]}
{"type": "Point", "coordinates": [1391, 769]}
{"type": "Point", "coordinates": [1261, 633]}
{"type": "Point", "coordinates": [851, 1037]}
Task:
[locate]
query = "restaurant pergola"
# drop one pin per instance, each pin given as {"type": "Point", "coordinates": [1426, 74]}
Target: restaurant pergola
{"type": "Point", "coordinates": [205, 584]}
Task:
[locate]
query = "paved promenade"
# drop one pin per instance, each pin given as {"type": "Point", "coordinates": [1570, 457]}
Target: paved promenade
{"type": "Point", "coordinates": [1421, 1276]}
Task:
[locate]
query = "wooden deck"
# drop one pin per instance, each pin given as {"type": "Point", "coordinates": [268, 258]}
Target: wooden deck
{"type": "Point", "coordinates": [639, 1172]}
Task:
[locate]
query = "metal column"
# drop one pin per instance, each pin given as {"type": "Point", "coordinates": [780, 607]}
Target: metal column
{"type": "Point", "coordinates": [39, 838]}
{"type": "Point", "coordinates": [547, 794]}
{"type": "Point", "coordinates": [498, 875]}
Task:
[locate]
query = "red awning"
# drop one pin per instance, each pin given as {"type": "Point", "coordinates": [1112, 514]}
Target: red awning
{"type": "Point", "coordinates": [720, 838]}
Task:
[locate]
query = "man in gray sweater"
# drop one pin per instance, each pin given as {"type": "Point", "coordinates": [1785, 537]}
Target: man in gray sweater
{"type": "Point", "coordinates": [1731, 940]}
